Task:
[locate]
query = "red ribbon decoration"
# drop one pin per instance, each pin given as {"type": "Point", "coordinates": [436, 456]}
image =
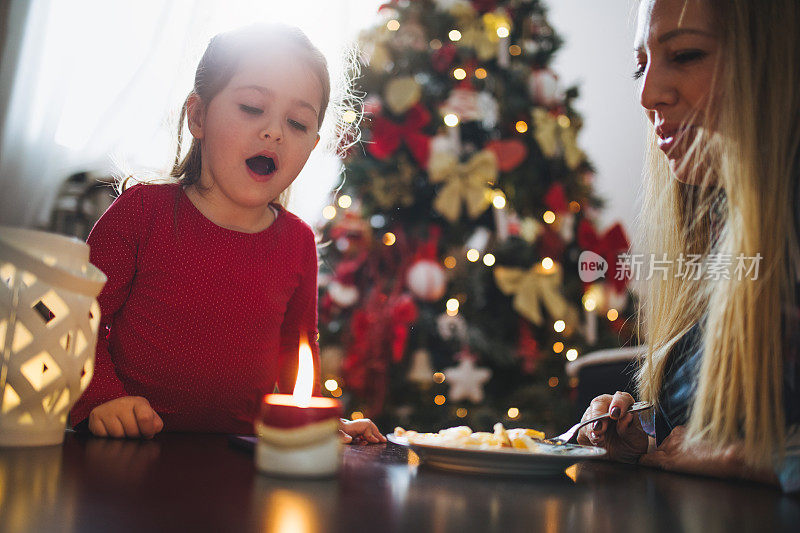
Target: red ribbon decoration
{"type": "Point", "coordinates": [613, 242]}
{"type": "Point", "coordinates": [556, 199]}
{"type": "Point", "coordinates": [387, 135]}
{"type": "Point", "coordinates": [443, 57]}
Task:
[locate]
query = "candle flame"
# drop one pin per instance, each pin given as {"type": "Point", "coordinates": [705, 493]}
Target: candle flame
{"type": "Point", "coordinates": [305, 376]}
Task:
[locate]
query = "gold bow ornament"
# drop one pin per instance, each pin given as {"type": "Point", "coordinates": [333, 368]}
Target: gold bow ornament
{"type": "Point", "coordinates": [533, 289]}
{"type": "Point", "coordinates": [557, 136]}
{"type": "Point", "coordinates": [464, 183]}
{"type": "Point", "coordinates": [393, 190]}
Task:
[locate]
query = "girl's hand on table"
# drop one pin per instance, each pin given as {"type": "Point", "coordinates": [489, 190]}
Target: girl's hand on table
{"type": "Point", "coordinates": [129, 416]}
{"type": "Point", "coordinates": [625, 440]}
{"type": "Point", "coordinates": [363, 429]}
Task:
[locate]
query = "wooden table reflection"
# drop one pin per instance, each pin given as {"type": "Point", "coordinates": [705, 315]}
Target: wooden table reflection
{"type": "Point", "coordinates": [194, 482]}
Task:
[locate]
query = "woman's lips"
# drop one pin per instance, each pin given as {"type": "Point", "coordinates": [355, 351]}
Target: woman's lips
{"type": "Point", "coordinates": [670, 136]}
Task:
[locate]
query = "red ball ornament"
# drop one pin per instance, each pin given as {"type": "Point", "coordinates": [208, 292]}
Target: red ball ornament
{"type": "Point", "coordinates": [426, 280]}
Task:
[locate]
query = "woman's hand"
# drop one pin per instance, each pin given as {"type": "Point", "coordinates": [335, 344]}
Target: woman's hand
{"type": "Point", "coordinates": [129, 416]}
{"type": "Point", "coordinates": [364, 429]}
{"type": "Point", "coordinates": [624, 440]}
{"type": "Point", "coordinates": [701, 459]}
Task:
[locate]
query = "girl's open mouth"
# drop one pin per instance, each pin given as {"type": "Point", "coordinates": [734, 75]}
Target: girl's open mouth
{"type": "Point", "coordinates": [261, 166]}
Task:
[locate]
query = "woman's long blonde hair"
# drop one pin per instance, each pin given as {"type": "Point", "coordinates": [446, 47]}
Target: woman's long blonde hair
{"type": "Point", "coordinates": [748, 184]}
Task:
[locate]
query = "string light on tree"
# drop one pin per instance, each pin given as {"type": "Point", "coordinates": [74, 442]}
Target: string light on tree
{"type": "Point", "coordinates": [473, 255]}
{"type": "Point", "coordinates": [389, 238]}
{"type": "Point", "coordinates": [459, 73]}
{"type": "Point", "coordinates": [452, 307]}
{"type": "Point", "coordinates": [513, 413]}
{"type": "Point", "coordinates": [514, 50]}
{"type": "Point", "coordinates": [549, 217]}
{"type": "Point", "coordinates": [521, 126]}
{"type": "Point", "coordinates": [488, 260]}
{"type": "Point", "coordinates": [438, 377]}
{"type": "Point", "coordinates": [499, 199]}
{"type": "Point", "coordinates": [450, 262]}
{"type": "Point", "coordinates": [451, 120]}
{"type": "Point", "coordinates": [329, 212]}
{"type": "Point", "coordinates": [349, 116]}
{"type": "Point", "coordinates": [547, 263]}
{"type": "Point", "coordinates": [553, 382]}
{"type": "Point", "coordinates": [345, 201]}
{"type": "Point", "coordinates": [559, 326]}
{"type": "Point", "coordinates": [393, 25]}
{"type": "Point", "coordinates": [461, 412]}
{"type": "Point", "coordinates": [454, 35]}
{"type": "Point", "coordinates": [439, 399]}
{"type": "Point", "coordinates": [612, 315]}
{"type": "Point", "coordinates": [558, 347]}
{"type": "Point", "coordinates": [572, 354]}
{"type": "Point", "coordinates": [480, 73]}
{"type": "Point", "coordinates": [331, 385]}
{"type": "Point", "coordinates": [356, 415]}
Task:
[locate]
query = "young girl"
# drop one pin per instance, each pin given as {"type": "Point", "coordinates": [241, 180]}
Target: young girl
{"type": "Point", "coordinates": [719, 85]}
{"type": "Point", "coordinates": [211, 282]}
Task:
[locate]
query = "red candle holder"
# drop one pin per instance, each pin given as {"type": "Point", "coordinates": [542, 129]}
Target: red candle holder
{"type": "Point", "coordinates": [298, 438]}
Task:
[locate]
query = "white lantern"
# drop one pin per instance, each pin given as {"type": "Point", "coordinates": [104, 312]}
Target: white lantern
{"type": "Point", "coordinates": [48, 332]}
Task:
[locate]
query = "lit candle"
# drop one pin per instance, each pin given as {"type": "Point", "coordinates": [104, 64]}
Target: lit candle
{"type": "Point", "coordinates": [298, 434]}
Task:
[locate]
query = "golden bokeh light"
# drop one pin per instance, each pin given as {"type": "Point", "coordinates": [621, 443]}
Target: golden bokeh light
{"type": "Point", "coordinates": [329, 212]}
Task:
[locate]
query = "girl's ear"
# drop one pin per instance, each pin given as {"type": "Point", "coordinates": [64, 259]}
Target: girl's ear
{"type": "Point", "coordinates": [194, 115]}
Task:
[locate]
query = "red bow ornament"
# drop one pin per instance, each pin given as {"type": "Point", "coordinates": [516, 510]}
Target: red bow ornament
{"type": "Point", "coordinates": [612, 243]}
{"type": "Point", "coordinates": [387, 135]}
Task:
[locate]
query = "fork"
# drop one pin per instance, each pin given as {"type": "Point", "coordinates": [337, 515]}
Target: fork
{"type": "Point", "coordinates": [568, 434]}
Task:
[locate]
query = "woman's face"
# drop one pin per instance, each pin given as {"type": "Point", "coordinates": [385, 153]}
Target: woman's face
{"type": "Point", "coordinates": [676, 52]}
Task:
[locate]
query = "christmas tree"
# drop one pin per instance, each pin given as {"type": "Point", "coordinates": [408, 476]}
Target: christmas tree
{"type": "Point", "coordinates": [450, 290]}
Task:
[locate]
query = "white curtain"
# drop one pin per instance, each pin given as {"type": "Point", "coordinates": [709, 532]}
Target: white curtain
{"type": "Point", "coordinates": [98, 86]}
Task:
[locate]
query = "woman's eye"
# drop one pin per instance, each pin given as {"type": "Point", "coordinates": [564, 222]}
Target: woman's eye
{"type": "Point", "coordinates": [639, 72]}
{"type": "Point", "coordinates": [250, 110]}
{"type": "Point", "coordinates": [688, 56]}
{"type": "Point", "coordinates": [298, 126]}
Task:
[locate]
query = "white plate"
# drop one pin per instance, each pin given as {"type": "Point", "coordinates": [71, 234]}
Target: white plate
{"type": "Point", "coordinates": [549, 460]}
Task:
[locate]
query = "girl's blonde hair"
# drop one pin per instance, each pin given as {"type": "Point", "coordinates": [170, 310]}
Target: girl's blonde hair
{"type": "Point", "coordinates": [744, 204]}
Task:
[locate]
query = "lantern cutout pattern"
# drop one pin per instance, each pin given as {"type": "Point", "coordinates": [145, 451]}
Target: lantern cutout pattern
{"type": "Point", "coordinates": [49, 319]}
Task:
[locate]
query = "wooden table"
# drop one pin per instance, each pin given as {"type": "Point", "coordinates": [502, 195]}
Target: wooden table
{"type": "Point", "coordinates": [198, 482]}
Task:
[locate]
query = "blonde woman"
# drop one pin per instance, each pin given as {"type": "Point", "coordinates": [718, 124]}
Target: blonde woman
{"type": "Point", "coordinates": [721, 88]}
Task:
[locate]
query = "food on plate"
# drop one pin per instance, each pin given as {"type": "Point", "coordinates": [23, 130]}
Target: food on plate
{"type": "Point", "coordinates": [464, 437]}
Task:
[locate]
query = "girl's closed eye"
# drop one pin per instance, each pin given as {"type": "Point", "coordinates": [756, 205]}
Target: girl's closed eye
{"type": "Point", "coordinates": [639, 72]}
{"type": "Point", "coordinates": [251, 110]}
{"type": "Point", "coordinates": [297, 125]}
